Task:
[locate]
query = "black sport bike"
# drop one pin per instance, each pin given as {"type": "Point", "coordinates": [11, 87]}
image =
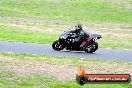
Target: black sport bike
{"type": "Point", "coordinates": [71, 41]}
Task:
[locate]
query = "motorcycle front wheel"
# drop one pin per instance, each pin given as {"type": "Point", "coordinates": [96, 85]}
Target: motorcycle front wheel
{"type": "Point", "coordinates": [91, 48]}
{"type": "Point", "coordinates": [57, 45]}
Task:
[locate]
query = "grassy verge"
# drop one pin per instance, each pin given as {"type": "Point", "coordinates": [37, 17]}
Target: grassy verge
{"type": "Point", "coordinates": [12, 80]}
{"type": "Point", "coordinates": [65, 60]}
{"type": "Point", "coordinates": [93, 63]}
{"type": "Point", "coordinates": [15, 34]}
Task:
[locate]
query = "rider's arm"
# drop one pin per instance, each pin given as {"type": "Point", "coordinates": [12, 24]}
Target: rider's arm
{"type": "Point", "coordinates": [87, 34]}
{"type": "Point", "coordinates": [82, 34]}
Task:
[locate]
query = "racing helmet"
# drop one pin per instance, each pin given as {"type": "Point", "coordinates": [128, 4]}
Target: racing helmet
{"type": "Point", "coordinates": [78, 27]}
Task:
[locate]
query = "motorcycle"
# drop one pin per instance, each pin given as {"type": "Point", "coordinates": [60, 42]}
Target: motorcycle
{"type": "Point", "coordinates": [71, 41]}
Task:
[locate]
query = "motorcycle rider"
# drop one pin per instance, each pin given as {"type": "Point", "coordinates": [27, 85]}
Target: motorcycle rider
{"type": "Point", "coordinates": [83, 35]}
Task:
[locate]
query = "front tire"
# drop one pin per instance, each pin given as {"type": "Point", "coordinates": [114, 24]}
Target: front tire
{"type": "Point", "coordinates": [57, 45]}
{"type": "Point", "coordinates": [91, 48]}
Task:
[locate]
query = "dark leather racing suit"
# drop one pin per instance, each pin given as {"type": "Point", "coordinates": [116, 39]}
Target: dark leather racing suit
{"type": "Point", "coordinates": [83, 36]}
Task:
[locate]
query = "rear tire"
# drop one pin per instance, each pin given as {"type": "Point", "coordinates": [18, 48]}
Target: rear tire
{"type": "Point", "coordinates": [57, 45]}
{"type": "Point", "coordinates": [91, 48]}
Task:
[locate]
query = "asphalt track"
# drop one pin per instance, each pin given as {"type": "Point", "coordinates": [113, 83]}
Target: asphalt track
{"type": "Point", "coordinates": [45, 49]}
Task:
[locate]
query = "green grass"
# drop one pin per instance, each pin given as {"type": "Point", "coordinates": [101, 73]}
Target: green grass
{"type": "Point", "coordinates": [69, 11]}
{"type": "Point", "coordinates": [59, 14]}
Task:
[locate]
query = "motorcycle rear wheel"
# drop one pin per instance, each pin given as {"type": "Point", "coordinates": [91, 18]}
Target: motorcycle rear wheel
{"type": "Point", "coordinates": [91, 48]}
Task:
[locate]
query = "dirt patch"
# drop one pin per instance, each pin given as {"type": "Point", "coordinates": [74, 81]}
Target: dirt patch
{"type": "Point", "coordinates": [27, 67]}
{"type": "Point", "coordinates": [22, 24]}
{"type": "Point", "coordinates": [28, 21]}
{"type": "Point", "coordinates": [115, 34]}
{"type": "Point", "coordinates": [108, 26]}
{"type": "Point", "coordinates": [59, 25]}
{"type": "Point", "coordinates": [31, 27]}
{"type": "Point", "coordinates": [4, 59]}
